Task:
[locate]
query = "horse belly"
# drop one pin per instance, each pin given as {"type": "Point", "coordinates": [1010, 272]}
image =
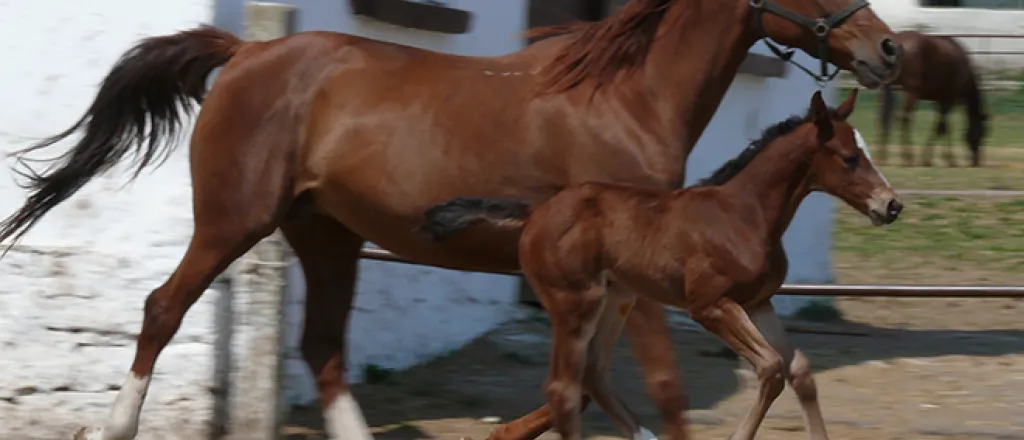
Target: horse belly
{"type": "Point", "coordinates": [392, 229]}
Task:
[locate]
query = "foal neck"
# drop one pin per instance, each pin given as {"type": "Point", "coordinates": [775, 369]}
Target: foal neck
{"type": "Point", "coordinates": [776, 180]}
{"type": "Point", "coordinates": [694, 59]}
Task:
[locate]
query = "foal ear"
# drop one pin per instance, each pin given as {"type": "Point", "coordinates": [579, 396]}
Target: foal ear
{"type": "Point", "coordinates": [821, 117]}
{"type": "Point", "coordinates": [846, 108]}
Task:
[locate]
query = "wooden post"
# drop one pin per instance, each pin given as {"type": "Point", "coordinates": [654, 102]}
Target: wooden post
{"type": "Point", "coordinates": [222, 362]}
{"type": "Point", "coordinates": [257, 406]}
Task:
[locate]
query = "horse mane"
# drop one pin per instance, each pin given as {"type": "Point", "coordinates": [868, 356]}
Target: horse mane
{"type": "Point", "coordinates": [733, 167]}
{"type": "Point", "coordinates": [600, 50]}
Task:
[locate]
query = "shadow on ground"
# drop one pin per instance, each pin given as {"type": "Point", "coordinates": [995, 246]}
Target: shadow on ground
{"type": "Point", "coordinates": [500, 375]}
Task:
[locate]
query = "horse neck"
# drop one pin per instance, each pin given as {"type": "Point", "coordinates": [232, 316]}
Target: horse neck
{"type": "Point", "coordinates": [694, 60]}
{"type": "Point", "coordinates": [777, 180]}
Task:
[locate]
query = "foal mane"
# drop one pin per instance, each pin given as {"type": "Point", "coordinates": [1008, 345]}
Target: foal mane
{"type": "Point", "coordinates": [600, 50]}
{"type": "Point", "coordinates": [733, 167]}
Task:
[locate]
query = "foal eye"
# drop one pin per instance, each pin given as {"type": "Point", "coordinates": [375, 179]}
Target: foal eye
{"type": "Point", "coordinates": [851, 161]}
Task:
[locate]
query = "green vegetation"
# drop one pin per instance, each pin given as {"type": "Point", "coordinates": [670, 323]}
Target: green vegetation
{"type": "Point", "coordinates": [942, 239]}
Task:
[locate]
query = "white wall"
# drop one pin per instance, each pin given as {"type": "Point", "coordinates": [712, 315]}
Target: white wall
{"type": "Point", "coordinates": [908, 14]}
{"type": "Point", "coordinates": [68, 318]}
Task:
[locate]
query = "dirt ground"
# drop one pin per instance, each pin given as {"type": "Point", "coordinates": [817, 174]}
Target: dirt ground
{"type": "Point", "coordinates": [907, 369]}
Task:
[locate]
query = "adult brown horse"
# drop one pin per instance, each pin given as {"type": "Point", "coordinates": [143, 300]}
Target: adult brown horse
{"type": "Point", "coordinates": [714, 249]}
{"type": "Point", "coordinates": [935, 68]}
{"type": "Point", "coordinates": [337, 140]}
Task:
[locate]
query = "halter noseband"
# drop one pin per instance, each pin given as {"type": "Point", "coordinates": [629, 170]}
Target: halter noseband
{"type": "Point", "coordinates": [821, 28]}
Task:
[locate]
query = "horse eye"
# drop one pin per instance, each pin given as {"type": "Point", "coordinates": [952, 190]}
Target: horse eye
{"type": "Point", "coordinates": [851, 161]}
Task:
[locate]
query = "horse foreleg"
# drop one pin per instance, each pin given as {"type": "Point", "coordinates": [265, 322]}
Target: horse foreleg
{"type": "Point", "coordinates": [905, 121]}
{"type": "Point", "coordinates": [942, 131]}
{"type": "Point", "coordinates": [329, 254]}
{"type": "Point", "coordinates": [649, 335]}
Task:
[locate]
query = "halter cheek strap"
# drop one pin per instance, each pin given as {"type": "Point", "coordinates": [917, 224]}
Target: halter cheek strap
{"type": "Point", "coordinates": [821, 27]}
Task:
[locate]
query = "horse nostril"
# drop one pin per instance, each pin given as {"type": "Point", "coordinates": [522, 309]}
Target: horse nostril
{"type": "Point", "coordinates": [891, 50]}
{"type": "Point", "coordinates": [894, 208]}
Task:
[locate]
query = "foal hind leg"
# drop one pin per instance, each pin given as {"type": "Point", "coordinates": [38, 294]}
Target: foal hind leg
{"type": "Point", "coordinates": [329, 254]}
{"type": "Point", "coordinates": [796, 369]}
{"type": "Point", "coordinates": [574, 318]}
{"type": "Point", "coordinates": [595, 377]}
{"type": "Point", "coordinates": [221, 236]}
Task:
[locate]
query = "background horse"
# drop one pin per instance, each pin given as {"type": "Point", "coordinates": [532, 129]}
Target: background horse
{"type": "Point", "coordinates": [935, 68]}
{"type": "Point", "coordinates": [714, 249]}
{"type": "Point", "coordinates": [338, 140]}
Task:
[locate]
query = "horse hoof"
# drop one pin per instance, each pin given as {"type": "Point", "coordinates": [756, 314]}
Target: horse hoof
{"type": "Point", "coordinates": [88, 433]}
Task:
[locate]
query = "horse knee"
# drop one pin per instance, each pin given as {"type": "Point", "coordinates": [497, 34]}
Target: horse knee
{"type": "Point", "coordinates": [801, 378]}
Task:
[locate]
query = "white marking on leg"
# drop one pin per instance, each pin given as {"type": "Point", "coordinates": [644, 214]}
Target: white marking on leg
{"type": "Point", "coordinates": [644, 434]}
{"type": "Point", "coordinates": [345, 420]}
{"type": "Point", "coordinates": [863, 145]}
{"type": "Point", "coordinates": [123, 422]}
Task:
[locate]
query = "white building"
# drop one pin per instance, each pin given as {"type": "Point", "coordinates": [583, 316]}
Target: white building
{"type": "Point", "coordinates": [72, 295]}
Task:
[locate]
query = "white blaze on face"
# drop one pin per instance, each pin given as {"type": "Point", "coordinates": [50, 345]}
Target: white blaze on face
{"type": "Point", "coordinates": [863, 145]}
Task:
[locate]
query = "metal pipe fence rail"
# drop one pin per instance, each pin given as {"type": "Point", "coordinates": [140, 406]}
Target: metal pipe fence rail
{"type": "Point", "coordinates": [847, 290]}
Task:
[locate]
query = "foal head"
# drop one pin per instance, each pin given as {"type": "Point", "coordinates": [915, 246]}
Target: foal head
{"type": "Point", "coordinates": [841, 167]}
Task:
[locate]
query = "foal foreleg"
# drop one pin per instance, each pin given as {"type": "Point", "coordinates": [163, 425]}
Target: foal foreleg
{"type": "Point", "coordinates": [329, 254]}
{"type": "Point", "coordinates": [730, 322]}
{"type": "Point", "coordinates": [796, 369]}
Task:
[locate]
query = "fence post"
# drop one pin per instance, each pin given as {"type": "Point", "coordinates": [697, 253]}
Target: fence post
{"type": "Point", "coordinates": [257, 406]}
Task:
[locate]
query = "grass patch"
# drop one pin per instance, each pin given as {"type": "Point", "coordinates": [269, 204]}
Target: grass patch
{"type": "Point", "coordinates": [941, 233]}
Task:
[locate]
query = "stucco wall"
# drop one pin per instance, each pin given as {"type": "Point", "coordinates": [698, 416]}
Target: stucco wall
{"type": "Point", "coordinates": [70, 307]}
{"type": "Point", "coordinates": [908, 14]}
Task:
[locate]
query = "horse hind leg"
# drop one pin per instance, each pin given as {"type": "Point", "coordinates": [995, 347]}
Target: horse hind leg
{"type": "Point", "coordinates": [329, 254]}
{"type": "Point", "coordinates": [227, 224]}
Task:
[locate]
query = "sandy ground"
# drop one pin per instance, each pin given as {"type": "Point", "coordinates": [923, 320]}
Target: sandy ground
{"type": "Point", "coordinates": [909, 369]}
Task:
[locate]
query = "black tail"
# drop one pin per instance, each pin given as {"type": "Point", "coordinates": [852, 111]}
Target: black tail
{"type": "Point", "coordinates": [976, 116]}
{"type": "Point", "coordinates": [139, 109]}
{"type": "Point", "coordinates": [444, 220]}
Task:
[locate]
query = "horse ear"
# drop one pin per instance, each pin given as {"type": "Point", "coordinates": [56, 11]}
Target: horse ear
{"type": "Point", "coordinates": [846, 108]}
{"type": "Point", "coordinates": [820, 115]}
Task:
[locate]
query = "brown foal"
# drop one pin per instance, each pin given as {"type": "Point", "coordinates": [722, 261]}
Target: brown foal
{"type": "Point", "coordinates": [337, 140]}
{"type": "Point", "coordinates": [714, 250]}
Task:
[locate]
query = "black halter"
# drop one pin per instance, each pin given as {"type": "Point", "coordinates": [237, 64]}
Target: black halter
{"type": "Point", "coordinates": [821, 28]}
